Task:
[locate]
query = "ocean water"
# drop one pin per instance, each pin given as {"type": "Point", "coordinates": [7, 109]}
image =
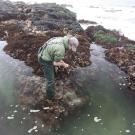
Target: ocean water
{"type": "Point", "coordinates": [112, 14]}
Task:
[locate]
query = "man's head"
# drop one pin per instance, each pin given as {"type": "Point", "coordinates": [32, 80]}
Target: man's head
{"type": "Point", "coordinates": [73, 43]}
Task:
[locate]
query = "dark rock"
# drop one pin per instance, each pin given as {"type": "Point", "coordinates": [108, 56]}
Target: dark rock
{"type": "Point", "coordinates": [86, 22]}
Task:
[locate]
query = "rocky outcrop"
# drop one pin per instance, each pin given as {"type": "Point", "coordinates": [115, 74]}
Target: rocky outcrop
{"type": "Point", "coordinates": [67, 100]}
{"type": "Point", "coordinates": [24, 46]}
{"type": "Point", "coordinates": [44, 21]}
{"type": "Point", "coordinates": [105, 37]}
{"type": "Point", "coordinates": [40, 16]}
{"type": "Point", "coordinates": [120, 49]}
{"type": "Point", "coordinates": [125, 59]}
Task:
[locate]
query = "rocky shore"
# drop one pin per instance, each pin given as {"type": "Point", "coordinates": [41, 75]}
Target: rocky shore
{"type": "Point", "coordinates": [120, 49]}
{"type": "Point", "coordinates": [26, 28]}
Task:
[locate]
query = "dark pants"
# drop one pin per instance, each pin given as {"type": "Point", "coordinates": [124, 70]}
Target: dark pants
{"type": "Point", "coordinates": [48, 70]}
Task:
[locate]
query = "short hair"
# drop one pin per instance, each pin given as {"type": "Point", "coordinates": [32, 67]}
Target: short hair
{"type": "Point", "coordinates": [73, 41]}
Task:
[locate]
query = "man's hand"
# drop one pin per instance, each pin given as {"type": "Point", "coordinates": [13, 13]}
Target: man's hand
{"type": "Point", "coordinates": [61, 63]}
{"type": "Point", "coordinates": [65, 65]}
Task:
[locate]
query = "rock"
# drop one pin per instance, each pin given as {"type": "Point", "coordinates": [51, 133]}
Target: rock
{"type": "Point", "coordinates": [86, 22]}
{"type": "Point", "coordinates": [120, 49]}
{"type": "Point", "coordinates": [19, 42]}
{"type": "Point", "coordinates": [43, 21]}
{"type": "Point", "coordinates": [105, 37]}
{"type": "Point", "coordinates": [33, 94]}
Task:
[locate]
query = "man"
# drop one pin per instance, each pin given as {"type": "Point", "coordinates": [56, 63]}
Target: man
{"type": "Point", "coordinates": [51, 54]}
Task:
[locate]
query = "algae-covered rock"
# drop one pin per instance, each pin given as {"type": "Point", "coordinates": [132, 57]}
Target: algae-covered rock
{"type": "Point", "coordinates": [65, 102]}
{"type": "Point", "coordinates": [43, 22]}
{"type": "Point", "coordinates": [120, 49]}
{"type": "Point", "coordinates": [125, 59]}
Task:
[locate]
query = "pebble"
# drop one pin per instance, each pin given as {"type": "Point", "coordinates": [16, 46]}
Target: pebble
{"type": "Point", "coordinates": [16, 106]}
{"type": "Point", "coordinates": [30, 130]}
{"type": "Point", "coordinates": [46, 108]}
{"type": "Point", "coordinates": [100, 106]}
{"type": "Point", "coordinates": [88, 115]}
{"type": "Point", "coordinates": [96, 119]}
{"type": "Point", "coordinates": [133, 124]}
{"type": "Point", "coordinates": [36, 122]}
{"type": "Point", "coordinates": [15, 111]}
{"type": "Point", "coordinates": [127, 131]}
{"type": "Point", "coordinates": [120, 84]}
{"type": "Point", "coordinates": [43, 125]}
{"type": "Point", "coordinates": [23, 108]}
{"type": "Point", "coordinates": [82, 130]}
{"type": "Point", "coordinates": [34, 111]}
{"type": "Point", "coordinates": [36, 130]}
{"type": "Point", "coordinates": [10, 118]}
{"type": "Point", "coordinates": [24, 118]}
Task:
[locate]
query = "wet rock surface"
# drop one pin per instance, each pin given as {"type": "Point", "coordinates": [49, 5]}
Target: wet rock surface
{"type": "Point", "coordinates": [120, 49]}
{"type": "Point", "coordinates": [66, 101]}
{"type": "Point", "coordinates": [26, 28]}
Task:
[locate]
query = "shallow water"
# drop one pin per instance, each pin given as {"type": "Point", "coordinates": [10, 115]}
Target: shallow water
{"type": "Point", "coordinates": [13, 119]}
{"type": "Point", "coordinates": [111, 110]}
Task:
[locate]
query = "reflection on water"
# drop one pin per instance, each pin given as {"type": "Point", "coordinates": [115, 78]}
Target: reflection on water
{"type": "Point", "coordinates": [111, 111]}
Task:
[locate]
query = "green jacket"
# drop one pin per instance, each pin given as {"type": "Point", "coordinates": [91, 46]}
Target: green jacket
{"type": "Point", "coordinates": [55, 49]}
